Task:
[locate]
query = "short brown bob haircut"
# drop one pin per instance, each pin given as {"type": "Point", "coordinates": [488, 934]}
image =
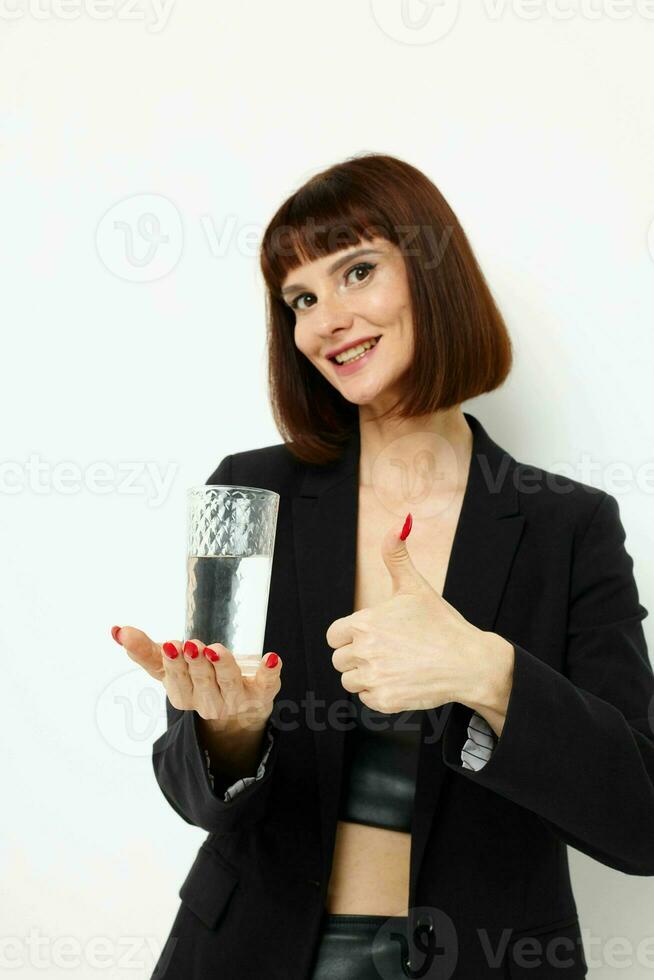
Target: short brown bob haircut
{"type": "Point", "coordinates": [462, 346]}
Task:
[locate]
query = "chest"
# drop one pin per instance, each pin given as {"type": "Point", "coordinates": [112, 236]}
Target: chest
{"type": "Point", "coordinates": [430, 545]}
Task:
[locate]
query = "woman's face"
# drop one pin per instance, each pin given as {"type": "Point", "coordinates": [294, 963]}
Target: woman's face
{"type": "Point", "coordinates": [339, 300]}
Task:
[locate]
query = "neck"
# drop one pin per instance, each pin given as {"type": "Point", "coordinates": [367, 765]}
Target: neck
{"type": "Point", "coordinates": [434, 449]}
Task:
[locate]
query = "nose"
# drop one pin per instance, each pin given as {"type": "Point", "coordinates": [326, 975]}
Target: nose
{"type": "Point", "coordinates": [335, 314]}
{"type": "Point", "coordinates": [336, 324]}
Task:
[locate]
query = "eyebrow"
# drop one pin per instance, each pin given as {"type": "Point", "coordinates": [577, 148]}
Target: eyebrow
{"type": "Point", "coordinates": [336, 265]}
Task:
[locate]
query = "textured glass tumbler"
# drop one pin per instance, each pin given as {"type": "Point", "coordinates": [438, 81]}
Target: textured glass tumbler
{"type": "Point", "coordinates": [231, 540]}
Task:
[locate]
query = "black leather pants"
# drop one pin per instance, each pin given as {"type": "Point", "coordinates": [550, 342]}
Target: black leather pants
{"type": "Point", "coordinates": [363, 947]}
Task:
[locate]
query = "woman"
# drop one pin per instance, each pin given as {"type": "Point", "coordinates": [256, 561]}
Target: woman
{"type": "Point", "coordinates": [393, 795]}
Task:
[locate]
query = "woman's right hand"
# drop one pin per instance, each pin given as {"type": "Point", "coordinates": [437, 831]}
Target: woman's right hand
{"type": "Point", "coordinates": [215, 688]}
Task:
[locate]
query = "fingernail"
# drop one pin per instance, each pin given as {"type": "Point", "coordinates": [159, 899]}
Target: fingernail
{"type": "Point", "coordinates": [406, 530]}
{"type": "Point", "coordinates": [190, 649]}
{"type": "Point", "coordinates": [211, 655]}
{"type": "Point", "coordinates": [272, 660]}
{"type": "Point", "coordinates": [115, 632]}
{"type": "Point", "coordinates": [170, 650]}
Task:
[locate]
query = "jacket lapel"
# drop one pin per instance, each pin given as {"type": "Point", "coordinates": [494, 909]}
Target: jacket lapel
{"type": "Point", "coordinates": [324, 531]}
{"type": "Point", "coordinates": [485, 542]}
{"type": "Point", "coordinates": [325, 514]}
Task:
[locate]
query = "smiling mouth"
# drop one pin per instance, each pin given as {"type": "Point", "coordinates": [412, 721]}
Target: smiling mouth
{"type": "Point", "coordinates": [343, 363]}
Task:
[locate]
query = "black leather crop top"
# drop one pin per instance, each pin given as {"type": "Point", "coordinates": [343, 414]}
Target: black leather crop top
{"type": "Point", "coordinates": [379, 767]}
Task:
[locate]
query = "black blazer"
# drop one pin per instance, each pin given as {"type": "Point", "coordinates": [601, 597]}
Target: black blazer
{"type": "Point", "coordinates": [536, 558]}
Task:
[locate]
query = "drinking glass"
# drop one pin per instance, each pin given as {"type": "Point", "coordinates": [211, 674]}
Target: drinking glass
{"type": "Point", "coordinates": [231, 540]}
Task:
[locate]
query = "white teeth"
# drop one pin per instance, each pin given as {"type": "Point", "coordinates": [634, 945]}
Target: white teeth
{"type": "Point", "coordinates": [353, 352]}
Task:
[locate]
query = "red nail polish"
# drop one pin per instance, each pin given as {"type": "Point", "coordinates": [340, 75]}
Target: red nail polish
{"type": "Point", "coordinates": [115, 632]}
{"type": "Point", "coordinates": [406, 530]}
{"type": "Point", "coordinates": [272, 660]}
{"type": "Point", "coordinates": [170, 650]}
{"type": "Point", "coordinates": [211, 655]}
{"type": "Point", "coordinates": [191, 650]}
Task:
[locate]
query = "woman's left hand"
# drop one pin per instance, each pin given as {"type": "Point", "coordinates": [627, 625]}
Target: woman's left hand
{"type": "Point", "coordinates": [414, 650]}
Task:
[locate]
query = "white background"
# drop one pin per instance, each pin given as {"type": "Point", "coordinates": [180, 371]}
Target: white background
{"type": "Point", "coordinates": [534, 121]}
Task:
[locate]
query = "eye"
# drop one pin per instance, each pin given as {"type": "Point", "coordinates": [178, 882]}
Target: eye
{"type": "Point", "coordinates": [297, 299]}
{"type": "Point", "coordinates": [366, 266]}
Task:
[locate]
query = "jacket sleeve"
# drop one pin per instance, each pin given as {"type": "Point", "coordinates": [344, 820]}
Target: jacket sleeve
{"type": "Point", "coordinates": [244, 781]}
{"type": "Point", "coordinates": [180, 764]}
{"type": "Point", "coordinates": [577, 748]}
{"type": "Point", "coordinates": [181, 772]}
